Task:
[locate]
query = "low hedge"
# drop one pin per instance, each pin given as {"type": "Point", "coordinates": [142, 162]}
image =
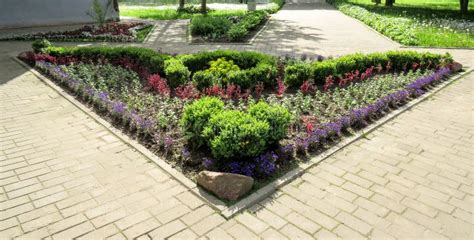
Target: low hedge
{"type": "Point", "coordinates": [253, 66]}
{"type": "Point", "coordinates": [297, 73]}
{"type": "Point", "coordinates": [149, 58]}
{"type": "Point", "coordinates": [248, 23]}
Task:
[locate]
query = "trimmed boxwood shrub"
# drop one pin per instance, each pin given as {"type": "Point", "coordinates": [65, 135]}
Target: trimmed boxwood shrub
{"type": "Point", "coordinates": [196, 116]}
{"type": "Point", "coordinates": [253, 66]}
{"type": "Point", "coordinates": [147, 57]}
{"type": "Point", "coordinates": [176, 73]}
{"type": "Point", "coordinates": [40, 45]}
{"type": "Point", "coordinates": [277, 117]}
{"type": "Point", "coordinates": [235, 134]}
{"type": "Point", "coordinates": [296, 74]}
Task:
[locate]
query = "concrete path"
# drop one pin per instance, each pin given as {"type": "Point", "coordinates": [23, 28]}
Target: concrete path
{"type": "Point", "coordinates": [62, 175]}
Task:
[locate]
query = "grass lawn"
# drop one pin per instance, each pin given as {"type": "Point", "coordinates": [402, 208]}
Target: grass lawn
{"type": "Point", "coordinates": [170, 14]}
{"type": "Point", "coordinates": [416, 22]}
{"type": "Point", "coordinates": [432, 4]}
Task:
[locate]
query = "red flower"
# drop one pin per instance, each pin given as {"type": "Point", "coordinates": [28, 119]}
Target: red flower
{"type": "Point", "coordinates": [159, 85]}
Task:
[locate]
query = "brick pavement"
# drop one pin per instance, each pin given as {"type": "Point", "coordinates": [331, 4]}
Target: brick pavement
{"type": "Point", "coordinates": [62, 176]}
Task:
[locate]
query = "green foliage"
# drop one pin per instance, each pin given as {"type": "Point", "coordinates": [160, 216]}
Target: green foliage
{"type": "Point", "coordinates": [248, 22]}
{"type": "Point", "coordinates": [40, 45]}
{"type": "Point", "coordinates": [196, 116]}
{"type": "Point", "coordinates": [237, 32]}
{"type": "Point", "coordinates": [234, 134]}
{"type": "Point", "coordinates": [147, 57]}
{"type": "Point", "coordinates": [210, 26]}
{"type": "Point", "coordinates": [277, 117]}
{"type": "Point", "coordinates": [253, 67]}
{"type": "Point", "coordinates": [411, 25]}
{"type": "Point", "coordinates": [203, 79]}
{"type": "Point", "coordinates": [220, 68]}
{"type": "Point", "coordinates": [297, 73]}
{"type": "Point", "coordinates": [176, 73]}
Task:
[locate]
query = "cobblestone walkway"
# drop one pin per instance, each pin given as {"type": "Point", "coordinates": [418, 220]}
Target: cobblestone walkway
{"type": "Point", "coordinates": [62, 176]}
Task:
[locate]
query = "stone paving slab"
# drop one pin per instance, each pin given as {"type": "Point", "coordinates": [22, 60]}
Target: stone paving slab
{"type": "Point", "coordinates": [63, 176]}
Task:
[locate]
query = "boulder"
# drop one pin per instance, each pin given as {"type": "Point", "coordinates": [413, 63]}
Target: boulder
{"type": "Point", "coordinates": [455, 67]}
{"type": "Point", "coordinates": [228, 186]}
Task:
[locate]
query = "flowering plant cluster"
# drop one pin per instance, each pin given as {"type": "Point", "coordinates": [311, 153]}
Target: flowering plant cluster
{"type": "Point", "coordinates": [110, 32]}
{"type": "Point", "coordinates": [138, 97]}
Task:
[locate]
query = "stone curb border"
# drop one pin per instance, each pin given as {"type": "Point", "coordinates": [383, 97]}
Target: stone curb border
{"type": "Point", "coordinates": [262, 193]}
{"type": "Point", "coordinates": [270, 188]}
{"type": "Point", "coordinates": [148, 36]}
{"type": "Point", "coordinates": [214, 202]}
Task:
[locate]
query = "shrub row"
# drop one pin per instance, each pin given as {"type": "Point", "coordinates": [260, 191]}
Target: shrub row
{"type": "Point", "coordinates": [148, 58]}
{"type": "Point", "coordinates": [248, 23]}
{"type": "Point", "coordinates": [235, 28]}
{"type": "Point", "coordinates": [230, 133]}
{"type": "Point", "coordinates": [297, 73]}
{"type": "Point", "coordinates": [253, 66]}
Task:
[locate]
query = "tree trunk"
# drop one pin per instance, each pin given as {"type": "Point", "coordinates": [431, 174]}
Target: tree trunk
{"type": "Point", "coordinates": [116, 6]}
{"type": "Point", "coordinates": [181, 5]}
{"type": "Point", "coordinates": [464, 6]}
{"type": "Point", "coordinates": [203, 6]}
{"type": "Point", "coordinates": [389, 3]}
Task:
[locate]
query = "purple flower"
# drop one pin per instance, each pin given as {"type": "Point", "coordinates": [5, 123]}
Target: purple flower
{"type": "Point", "coordinates": [266, 164]}
{"type": "Point", "coordinates": [185, 153]}
{"type": "Point", "coordinates": [168, 142]}
{"type": "Point", "coordinates": [147, 124]}
{"type": "Point", "coordinates": [118, 107]}
{"type": "Point", "coordinates": [104, 96]}
{"type": "Point", "coordinates": [246, 169]}
{"type": "Point", "coordinates": [207, 162]}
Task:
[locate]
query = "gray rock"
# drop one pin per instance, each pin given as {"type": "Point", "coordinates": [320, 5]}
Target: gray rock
{"type": "Point", "coordinates": [225, 185]}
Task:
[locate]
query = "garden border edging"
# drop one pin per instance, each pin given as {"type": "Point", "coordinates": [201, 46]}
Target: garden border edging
{"type": "Point", "coordinates": [267, 190]}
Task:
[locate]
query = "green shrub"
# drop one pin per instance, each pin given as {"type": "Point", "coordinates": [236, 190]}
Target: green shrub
{"type": "Point", "coordinates": [296, 74]}
{"type": "Point", "coordinates": [220, 68]}
{"type": "Point", "coordinates": [237, 32]}
{"type": "Point", "coordinates": [263, 72]}
{"type": "Point", "coordinates": [176, 72]}
{"type": "Point", "coordinates": [234, 134]}
{"type": "Point", "coordinates": [240, 78]}
{"type": "Point", "coordinates": [254, 66]}
{"type": "Point", "coordinates": [40, 45]}
{"type": "Point", "coordinates": [248, 22]}
{"type": "Point", "coordinates": [277, 117]}
{"type": "Point", "coordinates": [210, 26]}
{"type": "Point", "coordinates": [203, 79]}
{"type": "Point", "coordinates": [196, 116]}
{"type": "Point", "coordinates": [147, 57]}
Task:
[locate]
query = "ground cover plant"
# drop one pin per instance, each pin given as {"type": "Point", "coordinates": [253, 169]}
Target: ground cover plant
{"type": "Point", "coordinates": [414, 25]}
{"type": "Point", "coordinates": [288, 110]}
{"type": "Point", "coordinates": [109, 32]}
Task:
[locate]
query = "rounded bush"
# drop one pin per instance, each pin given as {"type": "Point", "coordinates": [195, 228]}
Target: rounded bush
{"type": "Point", "coordinates": [40, 45]}
{"type": "Point", "coordinates": [277, 117]}
{"type": "Point", "coordinates": [176, 73]}
{"type": "Point", "coordinates": [203, 79]}
{"type": "Point", "coordinates": [235, 134]}
{"type": "Point", "coordinates": [237, 32]}
{"type": "Point", "coordinates": [296, 74]}
{"type": "Point", "coordinates": [196, 116]}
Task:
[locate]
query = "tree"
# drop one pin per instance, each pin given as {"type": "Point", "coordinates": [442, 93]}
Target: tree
{"type": "Point", "coordinates": [464, 6]}
{"type": "Point", "coordinates": [389, 3]}
{"type": "Point", "coordinates": [203, 6]}
{"type": "Point", "coordinates": [116, 6]}
{"type": "Point", "coordinates": [181, 5]}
